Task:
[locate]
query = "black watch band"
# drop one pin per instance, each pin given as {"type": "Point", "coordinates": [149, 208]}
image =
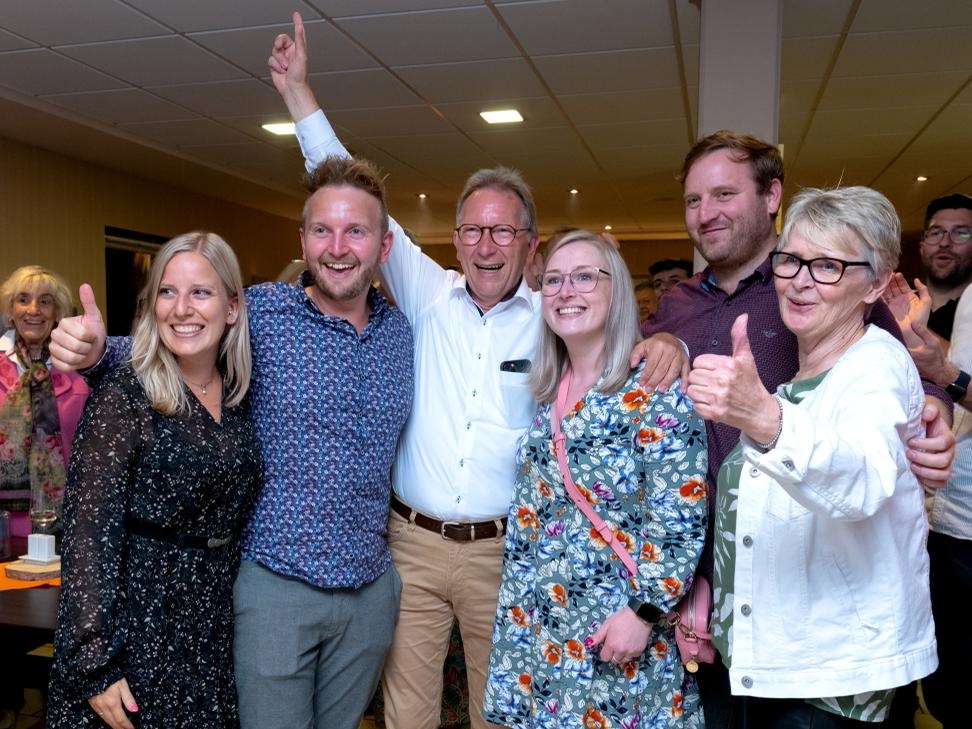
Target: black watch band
{"type": "Point", "coordinates": [957, 389]}
{"type": "Point", "coordinates": [645, 610]}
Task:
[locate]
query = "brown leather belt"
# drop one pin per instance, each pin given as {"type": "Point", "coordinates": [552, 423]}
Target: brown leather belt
{"type": "Point", "coordinates": [461, 531]}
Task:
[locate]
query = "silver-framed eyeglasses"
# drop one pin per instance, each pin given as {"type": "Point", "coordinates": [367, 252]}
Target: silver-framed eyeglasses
{"type": "Point", "coordinates": [583, 279]}
{"type": "Point", "coordinates": [826, 271]}
{"type": "Point", "coordinates": [502, 235]}
{"type": "Point", "coordinates": [959, 235]}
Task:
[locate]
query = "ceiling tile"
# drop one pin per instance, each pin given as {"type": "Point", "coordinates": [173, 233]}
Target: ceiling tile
{"type": "Point", "coordinates": [461, 34]}
{"type": "Point", "coordinates": [181, 133]}
{"type": "Point", "coordinates": [917, 51]}
{"type": "Point", "coordinates": [806, 58]}
{"type": "Point", "coordinates": [360, 90]}
{"type": "Point", "coordinates": [11, 42]}
{"type": "Point", "coordinates": [38, 72]}
{"type": "Point", "coordinates": [187, 16]}
{"type": "Point", "coordinates": [585, 26]}
{"type": "Point", "coordinates": [537, 112]}
{"type": "Point", "coordinates": [155, 61]}
{"type": "Point", "coordinates": [54, 22]}
{"type": "Point", "coordinates": [644, 105]}
{"type": "Point", "coordinates": [121, 106]}
{"type": "Point", "coordinates": [225, 98]}
{"type": "Point", "coordinates": [613, 71]}
{"type": "Point", "coordinates": [486, 81]}
{"type": "Point", "coordinates": [921, 89]}
{"type": "Point", "coordinates": [809, 18]}
{"type": "Point", "coordinates": [601, 137]}
{"type": "Point", "coordinates": [882, 16]}
{"type": "Point", "coordinates": [248, 48]}
{"type": "Point", "coordinates": [389, 122]}
{"type": "Point", "coordinates": [503, 143]}
{"type": "Point", "coordinates": [342, 8]}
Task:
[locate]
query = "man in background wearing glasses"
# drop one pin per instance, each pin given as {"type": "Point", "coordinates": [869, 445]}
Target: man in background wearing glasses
{"type": "Point", "coordinates": [946, 254]}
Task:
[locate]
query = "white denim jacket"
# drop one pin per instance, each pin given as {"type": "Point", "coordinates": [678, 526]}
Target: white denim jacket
{"type": "Point", "coordinates": [831, 573]}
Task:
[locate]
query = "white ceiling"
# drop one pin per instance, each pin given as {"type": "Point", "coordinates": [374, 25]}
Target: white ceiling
{"type": "Point", "coordinates": [873, 92]}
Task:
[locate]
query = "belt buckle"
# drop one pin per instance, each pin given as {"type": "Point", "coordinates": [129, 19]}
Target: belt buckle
{"type": "Point", "coordinates": [444, 524]}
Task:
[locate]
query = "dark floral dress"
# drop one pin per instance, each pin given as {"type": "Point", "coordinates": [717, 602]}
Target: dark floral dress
{"type": "Point", "coordinates": [140, 608]}
{"type": "Point", "coordinates": [640, 460]}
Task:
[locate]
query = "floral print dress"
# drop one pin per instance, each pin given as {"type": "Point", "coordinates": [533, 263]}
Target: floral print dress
{"type": "Point", "coordinates": [640, 459]}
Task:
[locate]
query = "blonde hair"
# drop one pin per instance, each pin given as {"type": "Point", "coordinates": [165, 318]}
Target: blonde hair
{"type": "Point", "coordinates": [27, 278]}
{"type": "Point", "coordinates": [153, 362]}
{"type": "Point", "coordinates": [621, 329]}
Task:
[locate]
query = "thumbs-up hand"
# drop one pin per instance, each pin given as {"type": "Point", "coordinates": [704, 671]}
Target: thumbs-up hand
{"type": "Point", "coordinates": [728, 389]}
{"type": "Point", "coordinates": [79, 341]}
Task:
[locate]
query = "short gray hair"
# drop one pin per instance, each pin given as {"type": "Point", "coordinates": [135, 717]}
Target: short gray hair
{"type": "Point", "coordinates": [846, 214]}
{"type": "Point", "coordinates": [504, 179]}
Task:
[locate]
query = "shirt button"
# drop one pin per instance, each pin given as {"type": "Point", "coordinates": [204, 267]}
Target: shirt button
{"type": "Point", "coordinates": [747, 541]}
{"type": "Point", "coordinates": [458, 499]}
{"type": "Point", "coordinates": [474, 393]}
{"type": "Point", "coordinates": [714, 342]}
{"type": "Point", "coordinates": [479, 355]}
{"type": "Point", "coordinates": [754, 472]}
{"type": "Point", "coordinates": [747, 682]}
{"type": "Point", "coordinates": [462, 462]}
{"type": "Point", "coordinates": [468, 425]}
{"type": "Point", "coordinates": [788, 464]}
{"type": "Point", "coordinates": [746, 610]}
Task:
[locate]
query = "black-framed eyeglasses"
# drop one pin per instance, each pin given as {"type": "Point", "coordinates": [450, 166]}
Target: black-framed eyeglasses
{"type": "Point", "coordinates": [826, 271]}
{"type": "Point", "coordinates": [502, 235]}
{"type": "Point", "coordinates": [959, 235]}
{"type": "Point", "coordinates": [583, 279]}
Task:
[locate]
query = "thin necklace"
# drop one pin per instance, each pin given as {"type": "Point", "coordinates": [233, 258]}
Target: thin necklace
{"type": "Point", "coordinates": [202, 386]}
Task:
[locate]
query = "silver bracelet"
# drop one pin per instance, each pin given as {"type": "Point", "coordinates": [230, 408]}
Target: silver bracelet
{"type": "Point", "coordinates": [769, 445]}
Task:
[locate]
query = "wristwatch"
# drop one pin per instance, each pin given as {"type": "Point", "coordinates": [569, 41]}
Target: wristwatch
{"type": "Point", "coordinates": [645, 610]}
{"type": "Point", "coordinates": [958, 388]}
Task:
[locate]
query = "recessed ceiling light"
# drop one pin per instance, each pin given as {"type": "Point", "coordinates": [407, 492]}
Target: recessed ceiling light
{"type": "Point", "coordinates": [608, 227]}
{"type": "Point", "coordinates": [501, 116]}
{"type": "Point", "coordinates": [921, 178]}
{"type": "Point", "coordinates": [574, 191]}
{"type": "Point", "coordinates": [422, 196]}
{"type": "Point", "coordinates": [280, 129]}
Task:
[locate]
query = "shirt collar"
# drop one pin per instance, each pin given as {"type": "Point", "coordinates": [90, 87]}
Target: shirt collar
{"type": "Point", "coordinates": [763, 272]}
{"type": "Point", "coordinates": [521, 293]}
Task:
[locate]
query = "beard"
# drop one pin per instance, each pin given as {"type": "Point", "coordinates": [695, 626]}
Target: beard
{"type": "Point", "coordinates": [949, 275]}
{"type": "Point", "coordinates": [347, 290]}
{"type": "Point", "coordinates": [747, 236]}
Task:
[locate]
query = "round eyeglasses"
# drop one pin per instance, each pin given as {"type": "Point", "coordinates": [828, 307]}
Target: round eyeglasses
{"type": "Point", "coordinates": [826, 271]}
{"type": "Point", "coordinates": [958, 235]}
{"type": "Point", "coordinates": [583, 279]}
{"type": "Point", "coordinates": [501, 235]}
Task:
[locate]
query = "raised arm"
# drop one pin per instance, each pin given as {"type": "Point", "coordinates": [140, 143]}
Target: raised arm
{"type": "Point", "coordinates": [409, 275]}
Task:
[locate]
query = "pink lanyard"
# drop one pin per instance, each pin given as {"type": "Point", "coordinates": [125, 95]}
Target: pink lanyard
{"type": "Point", "coordinates": [560, 451]}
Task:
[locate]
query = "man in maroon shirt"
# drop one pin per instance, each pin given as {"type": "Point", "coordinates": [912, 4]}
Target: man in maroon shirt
{"type": "Point", "coordinates": [732, 189]}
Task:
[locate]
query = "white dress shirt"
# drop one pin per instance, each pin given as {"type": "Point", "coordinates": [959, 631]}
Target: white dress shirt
{"type": "Point", "coordinates": [455, 457]}
{"type": "Point", "coordinates": [951, 507]}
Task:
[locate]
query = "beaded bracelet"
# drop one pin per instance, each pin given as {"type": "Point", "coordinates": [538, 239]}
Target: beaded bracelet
{"type": "Point", "coordinates": [769, 445]}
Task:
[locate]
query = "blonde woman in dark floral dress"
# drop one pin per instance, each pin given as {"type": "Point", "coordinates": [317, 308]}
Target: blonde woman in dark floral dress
{"type": "Point", "coordinates": [164, 468]}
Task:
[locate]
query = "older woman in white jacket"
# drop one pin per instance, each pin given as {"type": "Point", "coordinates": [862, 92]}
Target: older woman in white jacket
{"type": "Point", "coordinates": [821, 574]}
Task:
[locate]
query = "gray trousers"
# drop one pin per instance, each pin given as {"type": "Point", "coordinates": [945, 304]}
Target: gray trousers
{"type": "Point", "coordinates": [308, 658]}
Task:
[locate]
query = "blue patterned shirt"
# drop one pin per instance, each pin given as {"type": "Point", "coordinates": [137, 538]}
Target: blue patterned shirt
{"type": "Point", "coordinates": [327, 404]}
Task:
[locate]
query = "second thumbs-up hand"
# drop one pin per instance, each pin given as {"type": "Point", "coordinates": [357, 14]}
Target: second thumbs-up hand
{"type": "Point", "coordinates": [79, 341]}
{"type": "Point", "coordinates": [727, 389]}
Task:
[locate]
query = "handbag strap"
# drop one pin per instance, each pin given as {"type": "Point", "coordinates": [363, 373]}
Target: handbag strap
{"type": "Point", "coordinates": [560, 451]}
